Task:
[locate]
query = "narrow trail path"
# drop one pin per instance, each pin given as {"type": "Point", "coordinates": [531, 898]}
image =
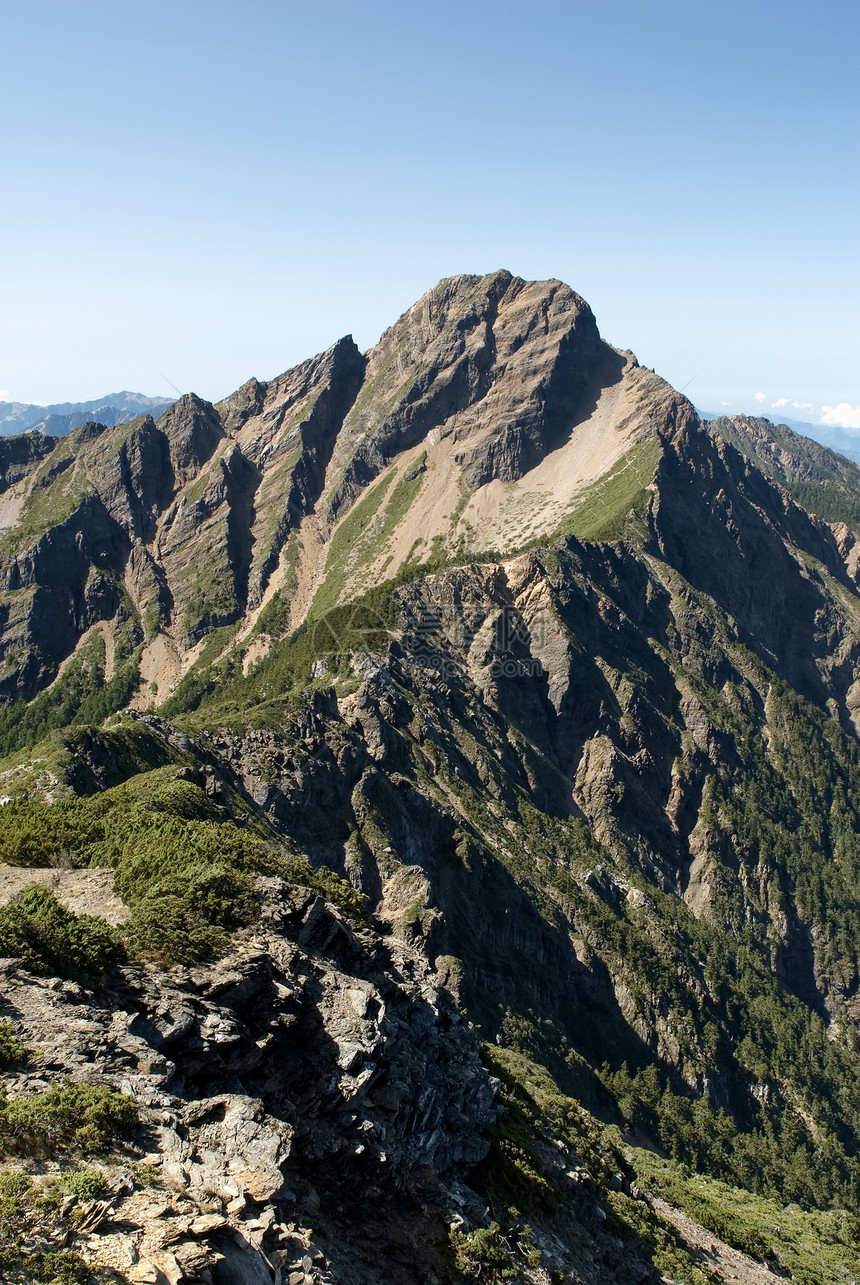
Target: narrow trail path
{"type": "Point", "coordinates": [730, 1263]}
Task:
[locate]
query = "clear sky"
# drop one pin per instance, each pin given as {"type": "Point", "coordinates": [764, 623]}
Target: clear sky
{"type": "Point", "coordinates": [197, 192]}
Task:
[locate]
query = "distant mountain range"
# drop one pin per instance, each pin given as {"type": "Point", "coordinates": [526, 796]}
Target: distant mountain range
{"type": "Point", "coordinates": [61, 418]}
{"type": "Point", "coordinates": [838, 439]}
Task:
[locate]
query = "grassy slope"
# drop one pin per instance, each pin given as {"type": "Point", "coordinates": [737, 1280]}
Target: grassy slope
{"type": "Point", "coordinates": [183, 867]}
{"type": "Point", "coordinates": [602, 510]}
{"type": "Point", "coordinates": [363, 535]}
{"type": "Point", "coordinates": [814, 1247]}
{"type": "Point", "coordinates": [82, 693]}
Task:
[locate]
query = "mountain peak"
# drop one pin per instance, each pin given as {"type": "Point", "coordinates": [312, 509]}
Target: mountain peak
{"type": "Point", "coordinates": [489, 417]}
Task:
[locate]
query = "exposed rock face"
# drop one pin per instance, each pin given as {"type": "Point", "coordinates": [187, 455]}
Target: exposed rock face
{"type": "Point", "coordinates": [19, 454]}
{"type": "Point", "coordinates": [781, 453]}
{"type": "Point", "coordinates": [494, 363]}
{"type": "Point", "coordinates": [756, 562]}
{"type": "Point", "coordinates": [291, 427]}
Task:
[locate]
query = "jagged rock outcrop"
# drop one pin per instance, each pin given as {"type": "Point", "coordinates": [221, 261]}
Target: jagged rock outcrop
{"type": "Point", "coordinates": [309, 1108]}
{"type": "Point", "coordinates": [312, 1061]}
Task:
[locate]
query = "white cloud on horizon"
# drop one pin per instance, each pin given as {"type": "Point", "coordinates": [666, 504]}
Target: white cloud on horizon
{"type": "Point", "coordinates": [842, 416]}
{"type": "Point", "coordinates": [5, 395]}
{"type": "Point", "coordinates": [781, 402]}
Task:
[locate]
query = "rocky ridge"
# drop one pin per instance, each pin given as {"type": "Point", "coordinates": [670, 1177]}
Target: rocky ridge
{"type": "Point", "coordinates": [315, 1061]}
{"type": "Point", "coordinates": [491, 416]}
{"type": "Point", "coordinates": [573, 704]}
{"type": "Point", "coordinates": [485, 382]}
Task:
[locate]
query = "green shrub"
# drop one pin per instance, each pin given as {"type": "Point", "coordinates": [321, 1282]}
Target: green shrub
{"type": "Point", "coordinates": [813, 1247]}
{"type": "Point", "coordinates": [830, 499]}
{"type": "Point", "coordinates": [38, 834]}
{"type": "Point", "coordinates": [72, 1118]}
{"type": "Point", "coordinates": [483, 1252]}
{"type": "Point", "coordinates": [145, 1175]}
{"type": "Point", "coordinates": [55, 942]}
{"type": "Point", "coordinates": [26, 1214]}
{"type": "Point", "coordinates": [86, 1184]}
{"type": "Point", "coordinates": [274, 619]}
{"type": "Point", "coordinates": [629, 1218]}
{"type": "Point", "coordinates": [61, 1267]}
{"type": "Point", "coordinates": [186, 874]}
{"type": "Point", "coordinates": [12, 1049]}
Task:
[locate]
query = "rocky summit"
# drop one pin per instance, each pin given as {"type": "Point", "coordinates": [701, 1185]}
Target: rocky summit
{"type": "Point", "coordinates": [430, 827]}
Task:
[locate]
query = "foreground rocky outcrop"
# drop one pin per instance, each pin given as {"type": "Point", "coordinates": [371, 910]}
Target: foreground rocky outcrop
{"type": "Point", "coordinates": [311, 1063]}
{"type": "Point", "coordinates": [310, 1109]}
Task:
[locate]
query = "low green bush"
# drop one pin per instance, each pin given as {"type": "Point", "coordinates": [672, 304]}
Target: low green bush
{"type": "Point", "coordinates": [55, 942]}
{"type": "Point", "coordinates": [812, 1246]}
{"type": "Point", "coordinates": [86, 1184]}
{"type": "Point", "coordinates": [28, 1216]}
{"type": "Point", "coordinates": [12, 1048]}
{"type": "Point", "coordinates": [484, 1253]}
{"type": "Point", "coordinates": [71, 1118]}
{"type": "Point", "coordinates": [54, 1267]}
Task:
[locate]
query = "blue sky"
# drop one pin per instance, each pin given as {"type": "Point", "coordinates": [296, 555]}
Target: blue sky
{"type": "Point", "coordinates": [194, 193]}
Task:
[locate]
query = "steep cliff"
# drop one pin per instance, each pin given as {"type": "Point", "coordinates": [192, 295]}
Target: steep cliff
{"type": "Point", "coordinates": [822, 480]}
